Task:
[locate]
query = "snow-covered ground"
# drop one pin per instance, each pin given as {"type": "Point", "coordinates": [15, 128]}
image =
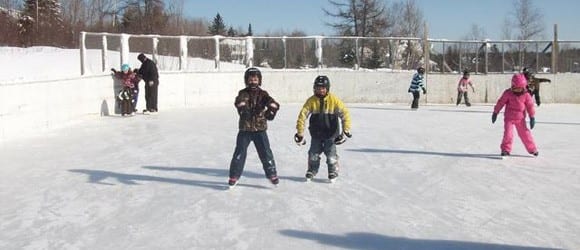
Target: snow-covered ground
{"type": "Point", "coordinates": [429, 179]}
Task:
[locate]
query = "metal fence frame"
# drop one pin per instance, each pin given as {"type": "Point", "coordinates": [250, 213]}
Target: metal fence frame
{"type": "Point", "coordinates": [246, 50]}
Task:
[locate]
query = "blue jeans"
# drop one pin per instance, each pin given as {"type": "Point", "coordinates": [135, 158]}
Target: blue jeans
{"type": "Point", "coordinates": [326, 146]}
{"type": "Point", "coordinates": [260, 139]}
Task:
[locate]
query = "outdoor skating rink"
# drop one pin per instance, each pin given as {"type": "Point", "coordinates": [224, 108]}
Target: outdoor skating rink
{"type": "Point", "coordinates": [425, 179]}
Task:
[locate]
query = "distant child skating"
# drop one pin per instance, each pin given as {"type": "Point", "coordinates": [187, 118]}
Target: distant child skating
{"type": "Point", "coordinates": [417, 85]}
{"type": "Point", "coordinates": [126, 96]}
{"type": "Point", "coordinates": [517, 103]}
{"type": "Point", "coordinates": [462, 88]}
{"type": "Point", "coordinates": [255, 107]}
{"type": "Point", "coordinates": [327, 115]}
{"type": "Point", "coordinates": [534, 84]}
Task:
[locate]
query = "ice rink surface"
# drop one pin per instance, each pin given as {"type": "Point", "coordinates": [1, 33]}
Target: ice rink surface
{"type": "Point", "coordinates": [426, 179]}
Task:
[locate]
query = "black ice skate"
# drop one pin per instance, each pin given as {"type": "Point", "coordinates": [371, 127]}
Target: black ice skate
{"type": "Point", "coordinates": [332, 177]}
{"type": "Point", "coordinates": [309, 176]}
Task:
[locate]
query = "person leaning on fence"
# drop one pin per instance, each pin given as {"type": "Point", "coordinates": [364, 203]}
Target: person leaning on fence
{"type": "Point", "coordinates": [417, 85]}
{"type": "Point", "coordinates": [534, 84]}
{"type": "Point", "coordinates": [462, 88]}
{"type": "Point", "coordinates": [148, 71]}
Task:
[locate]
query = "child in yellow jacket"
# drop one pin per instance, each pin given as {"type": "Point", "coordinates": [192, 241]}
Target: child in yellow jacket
{"type": "Point", "coordinates": [327, 115]}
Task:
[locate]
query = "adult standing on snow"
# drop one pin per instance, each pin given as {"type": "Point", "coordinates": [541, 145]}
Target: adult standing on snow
{"type": "Point", "coordinates": [148, 72]}
{"type": "Point", "coordinates": [417, 85]}
{"type": "Point", "coordinates": [255, 108]}
{"type": "Point", "coordinates": [534, 84]}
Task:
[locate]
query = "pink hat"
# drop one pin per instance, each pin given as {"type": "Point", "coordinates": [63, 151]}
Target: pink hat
{"type": "Point", "coordinates": [519, 81]}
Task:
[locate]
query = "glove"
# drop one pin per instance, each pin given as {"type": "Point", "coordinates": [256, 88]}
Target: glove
{"type": "Point", "coordinates": [493, 117]}
{"type": "Point", "coordinates": [151, 83]}
{"type": "Point", "coordinates": [424, 91]}
{"type": "Point", "coordinates": [113, 70]}
{"type": "Point", "coordinates": [271, 111]}
{"type": "Point", "coordinates": [348, 134]}
{"type": "Point", "coordinates": [299, 139]}
{"type": "Point", "coordinates": [339, 139]}
{"type": "Point", "coordinates": [409, 90]}
{"type": "Point", "coordinates": [532, 122]}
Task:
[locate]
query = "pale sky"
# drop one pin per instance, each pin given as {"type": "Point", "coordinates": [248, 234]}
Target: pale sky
{"type": "Point", "coordinates": [449, 19]}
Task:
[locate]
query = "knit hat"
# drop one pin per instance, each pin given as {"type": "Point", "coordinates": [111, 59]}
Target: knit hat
{"type": "Point", "coordinates": [519, 81]}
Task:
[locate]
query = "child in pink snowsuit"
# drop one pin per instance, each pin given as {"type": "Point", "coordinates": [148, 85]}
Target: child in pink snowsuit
{"type": "Point", "coordinates": [517, 102]}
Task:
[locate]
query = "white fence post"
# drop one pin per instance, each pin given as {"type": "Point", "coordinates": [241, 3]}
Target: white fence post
{"type": "Point", "coordinates": [154, 52]}
{"type": "Point", "coordinates": [104, 57]}
{"type": "Point", "coordinates": [319, 50]}
{"type": "Point", "coordinates": [83, 52]}
{"type": "Point", "coordinates": [217, 52]}
{"type": "Point", "coordinates": [249, 52]}
{"type": "Point", "coordinates": [182, 53]}
{"type": "Point", "coordinates": [124, 48]}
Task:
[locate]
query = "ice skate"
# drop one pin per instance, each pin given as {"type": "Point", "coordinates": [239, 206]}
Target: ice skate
{"type": "Point", "coordinates": [232, 182]}
{"type": "Point", "coordinates": [309, 176]}
{"type": "Point", "coordinates": [274, 180]}
{"type": "Point", "coordinates": [332, 177]}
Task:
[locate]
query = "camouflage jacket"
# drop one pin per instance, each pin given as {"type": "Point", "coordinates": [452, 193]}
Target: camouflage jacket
{"type": "Point", "coordinates": [252, 105]}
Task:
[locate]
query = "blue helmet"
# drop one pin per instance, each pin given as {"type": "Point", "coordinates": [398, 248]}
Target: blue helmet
{"type": "Point", "coordinates": [125, 67]}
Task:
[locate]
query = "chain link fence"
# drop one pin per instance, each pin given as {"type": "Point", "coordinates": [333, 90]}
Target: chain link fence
{"type": "Point", "coordinates": [100, 51]}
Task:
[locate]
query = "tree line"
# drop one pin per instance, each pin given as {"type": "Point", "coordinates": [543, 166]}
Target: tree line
{"type": "Point", "coordinates": [58, 22]}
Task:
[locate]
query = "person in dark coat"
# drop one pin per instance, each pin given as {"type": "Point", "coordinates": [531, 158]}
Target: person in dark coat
{"type": "Point", "coordinates": [255, 108]}
{"type": "Point", "coordinates": [148, 72]}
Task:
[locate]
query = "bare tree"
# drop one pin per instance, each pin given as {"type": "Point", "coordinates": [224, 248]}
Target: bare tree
{"type": "Point", "coordinates": [408, 18]}
{"type": "Point", "coordinates": [358, 17]}
{"type": "Point", "coordinates": [528, 20]}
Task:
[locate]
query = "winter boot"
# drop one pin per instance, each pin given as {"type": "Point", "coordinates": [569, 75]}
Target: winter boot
{"type": "Point", "coordinates": [505, 153]}
{"type": "Point", "coordinates": [274, 180]}
{"type": "Point", "coordinates": [232, 182]}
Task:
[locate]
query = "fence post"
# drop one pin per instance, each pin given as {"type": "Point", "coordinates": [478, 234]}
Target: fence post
{"type": "Point", "coordinates": [182, 53]}
{"type": "Point", "coordinates": [249, 52]}
{"type": "Point", "coordinates": [83, 52]}
{"type": "Point", "coordinates": [426, 50]}
{"type": "Point", "coordinates": [319, 51]}
{"type": "Point", "coordinates": [285, 56]}
{"type": "Point", "coordinates": [555, 51]}
{"type": "Point", "coordinates": [356, 54]}
{"type": "Point", "coordinates": [217, 51]}
{"type": "Point", "coordinates": [104, 57]}
{"type": "Point", "coordinates": [486, 56]}
{"type": "Point", "coordinates": [124, 48]}
{"type": "Point", "coordinates": [154, 52]}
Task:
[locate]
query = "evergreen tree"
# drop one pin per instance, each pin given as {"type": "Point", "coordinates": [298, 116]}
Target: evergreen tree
{"type": "Point", "coordinates": [41, 23]}
{"type": "Point", "coordinates": [250, 33]}
{"type": "Point", "coordinates": [231, 32]}
{"type": "Point", "coordinates": [217, 27]}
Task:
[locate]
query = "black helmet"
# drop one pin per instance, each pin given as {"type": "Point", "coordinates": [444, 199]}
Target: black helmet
{"type": "Point", "coordinates": [466, 73]}
{"type": "Point", "coordinates": [421, 70]}
{"type": "Point", "coordinates": [253, 72]}
{"type": "Point", "coordinates": [322, 81]}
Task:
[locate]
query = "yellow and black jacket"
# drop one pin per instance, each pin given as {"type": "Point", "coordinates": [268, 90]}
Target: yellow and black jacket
{"type": "Point", "coordinates": [325, 115]}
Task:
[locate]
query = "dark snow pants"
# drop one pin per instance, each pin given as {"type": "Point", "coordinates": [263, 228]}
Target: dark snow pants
{"type": "Point", "coordinates": [319, 146]}
{"type": "Point", "coordinates": [260, 139]}
{"type": "Point", "coordinates": [415, 104]}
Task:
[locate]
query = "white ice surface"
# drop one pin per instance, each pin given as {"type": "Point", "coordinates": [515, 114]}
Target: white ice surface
{"type": "Point", "coordinates": [429, 179]}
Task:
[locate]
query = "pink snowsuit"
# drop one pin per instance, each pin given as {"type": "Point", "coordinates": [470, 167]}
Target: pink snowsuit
{"type": "Point", "coordinates": [516, 106]}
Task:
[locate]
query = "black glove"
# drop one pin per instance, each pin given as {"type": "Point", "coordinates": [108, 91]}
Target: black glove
{"type": "Point", "coordinates": [493, 117]}
{"type": "Point", "coordinates": [113, 70]}
{"type": "Point", "coordinates": [532, 122]}
{"type": "Point", "coordinates": [424, 91]}
{"type": "Point", "coordinates": [271, 111]}
{"type": "Point", "coordinates": [348, 134]}
{"type": "Point", "coordinates": [409, 90]}
{"type": "Point", "coordinates": [339, 139]}
{"type": "Point", "coordinates": [299, 139]}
